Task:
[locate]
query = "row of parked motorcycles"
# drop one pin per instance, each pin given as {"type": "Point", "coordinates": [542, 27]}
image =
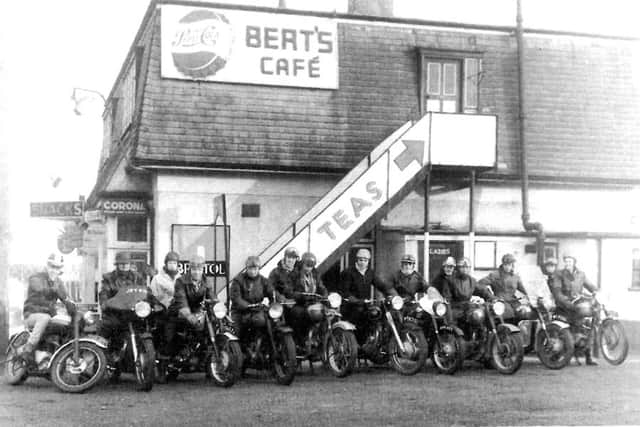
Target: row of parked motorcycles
{"type": "Point", "coordinates": [401, 332]}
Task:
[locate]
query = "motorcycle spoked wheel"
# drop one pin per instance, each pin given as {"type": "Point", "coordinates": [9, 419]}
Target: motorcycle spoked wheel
{"type": "Point", "coordinates": [76, 377]}
{"type": "Point", "coordinates": [557, 351]}
{"type": "Point", "coordinates": [373, 349]}
{"type": "Point", "coordinates": [447, 353]}
{"type": "Point", "coordinates": [145, 365]}
{"type": "Point", "coordinates": [341, 352]}
{"type": "Point", "coordinates": [284, 366]}
{"type": "Point", "coordinates": [225, 371]}
{"type": "Point", "coordinates": [507, 357]}
{"type": "Point", "coordinates": [415, 347]}
{"type": "Point", "coordinates": [613, 342]}
{"type": "Point", "coordinates": [15, 368]}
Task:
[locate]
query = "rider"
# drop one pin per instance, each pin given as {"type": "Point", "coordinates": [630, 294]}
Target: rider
{"type": "Point", "coordinates": [504, 284]}
{"type": "Point", "coordinates": [190, 290]}
{"type": "Point", "coordinates": [249, 287]}
{"type": "Point", "coordinates": [549, 271]}
{"type": "Point", "coordinates": [356, 284]}
{"type": "Point", "coordinates": [567, 286]}
{"type": "Point", "coordinates": [45, 289]}
{"type": "Point", "coordinates": [443, 282]}
{"type": "Point", "coordinates": [305, 279]}
{"type": "Point", "coordinates": [407, 281]}
{"type": "Point", "coordinates": [163, 283]}
{"type": "Point", "coordinates": [464, 287]}
{"type": "Point", "coordinates": [280, 276]}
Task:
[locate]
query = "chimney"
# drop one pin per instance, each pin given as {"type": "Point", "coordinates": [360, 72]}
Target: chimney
{"type": "Point", "coordinates": [382, 8]}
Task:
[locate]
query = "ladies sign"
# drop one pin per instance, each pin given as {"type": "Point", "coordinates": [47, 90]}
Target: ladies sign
{"type": "Point", "coordinates": [236, 46]}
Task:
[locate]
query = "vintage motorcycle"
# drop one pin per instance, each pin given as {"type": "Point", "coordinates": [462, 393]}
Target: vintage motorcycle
{"type": "Point", "coordinates": [211, 347]}
{"type": "Point", "coordinates": [71, 358]}
{"type": "Point", "coordinates": [544, 333]}
{"type": "Point", "coordinates": [591, 317]}
{"type": "Point", "coordinates": [134, 352]}
{"type": "Point", "coordinates": [488, 339]}
{"type": "Point", "coordinates": [329, 338]}
{"type": "Point", "coordinates": [392, 336]}
{"type": "Point", "coordinates": [270, 346]}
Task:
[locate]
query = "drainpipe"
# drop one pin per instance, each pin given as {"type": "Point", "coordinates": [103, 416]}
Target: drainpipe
{"type": "Point", "coordinates": [526, 223]}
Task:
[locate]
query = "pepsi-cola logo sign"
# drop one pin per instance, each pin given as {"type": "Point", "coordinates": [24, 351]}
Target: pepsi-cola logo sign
{"type": "Point", "coordinates": [202, 43]}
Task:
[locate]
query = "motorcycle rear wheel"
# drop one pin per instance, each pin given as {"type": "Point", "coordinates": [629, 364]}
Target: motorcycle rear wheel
{"type": "Point", "coordinates": [16, 371]}
{"type": "Point", "coordinates": [414, 340]}
{"type": "Point", "coordinates": [613, 342]}
{"type": "Point", "coordinates": [341, 352]}
{"type": "Point", "coordinates": [447, 353]}
{"type": "Point", "coordinates": [284, 366]}
{"type": "Point", "coordinates": [506, 358]}
{"type": "Point", "coordinates": [72, 377]}
{"type": "Point", "coordinates": [145, 365]}
{"type": "Point", "coordinates": [559, 338]}
{"type": "Point", "coordinates": [225, 371]}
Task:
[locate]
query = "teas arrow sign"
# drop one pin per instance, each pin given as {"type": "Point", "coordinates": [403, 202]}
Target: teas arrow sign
{"type": "Point", "coordinates": [414, 151]}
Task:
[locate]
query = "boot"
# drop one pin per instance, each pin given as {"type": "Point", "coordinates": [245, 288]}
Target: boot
{"type": "Point", "coordinates": [590, 361]}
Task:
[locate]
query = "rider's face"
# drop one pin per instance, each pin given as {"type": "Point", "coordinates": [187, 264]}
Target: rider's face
{"type": "Point", "coordinates": [407, 267]}
{"type": "Point", "coordinates": [569, 263]}
{"type": "Point", "coordinates": [550, 268]}
{"type": "Point", "coordinates": [172, 265]}
{"type": "Point", "coordinates": [123, 266]}
{"type": "Point", "coordinates": [448, 269]}
{"type": "Point", "coordinates": [289, 262]}
{"type": "Point", "coordinates": [362, 263]}
{"type": "Point", "coordinates": [252, 271]}
{"type": "Point", "coordinates": [509, 268]}
{"type": "Point", "coordinates": [196, 272]}
{"type": "Point", "coordinates": [53, 272]}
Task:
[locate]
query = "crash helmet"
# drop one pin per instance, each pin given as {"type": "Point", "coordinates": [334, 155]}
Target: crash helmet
{"type": "Point", "coordinates": [408, 259]}
{"type": "Point", "coordinates": [463, 262]}
{"type": "Point", "coordinates": [123, 258]}
{"type": "Point", "coordinates": [308, 259]}
{"type": "Point", "coordinates": [363, 253]}
{"type": "Point", "coordinates": [171, 256]}
{"type": "Point", "coordinates": [570, 255]}
{"type": "Point", "coordinates": [315, 312]}
{"type": "Point", "coordinates": [550, 261]}
{"type": "Point", "coordinates": [508, 259]}
{"type": "Point", "coordinates": [252, 261]}
{"type": "Point", "coordinates": [291, 252]}
{"type": "Point", "coordinates": [475, 316]}
{"type": "Point", "coordinates": [55, 261]}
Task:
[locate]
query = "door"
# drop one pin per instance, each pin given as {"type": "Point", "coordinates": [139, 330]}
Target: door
{"type": "Point", "coordinates": [439, 250]}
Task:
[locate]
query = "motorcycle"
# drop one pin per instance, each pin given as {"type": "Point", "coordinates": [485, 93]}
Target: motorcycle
{"type": "Point", "coordinates": [393, 337]}
{"type": "Point", "coordinates": [544, 333]}
{"type": "Point", "coordinates": [329, 338]}
{"type": "Point", "coordinates": [135, 352]}
{"type": "Point", "coordinates": [591, 317]}
{"type": "Point", "coordinates": [67, 355]}
{"type": "Point", "coordinates": [494, 343]}
{"type": "Point", "coordinates": [270, 346]}
{"type": "Point", "coordinates": [211, 347]}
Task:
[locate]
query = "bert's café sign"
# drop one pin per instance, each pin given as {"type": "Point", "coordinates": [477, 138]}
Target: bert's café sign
{"type": "Point", "coordinates": [222, 45]}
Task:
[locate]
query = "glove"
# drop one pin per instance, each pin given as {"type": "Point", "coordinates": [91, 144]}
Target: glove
{"type": "Point", "coordinates": [265, 301]}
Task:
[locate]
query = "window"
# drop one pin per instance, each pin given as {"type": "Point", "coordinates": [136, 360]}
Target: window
{"type": "Point", "coordinates": [450, 81]}
{"type": "Point", "coordinates": [132, 228]}
{"type": "Point", "coordinates": [250, 210]}
{"type": "Point", "coordinates": [635, 269]}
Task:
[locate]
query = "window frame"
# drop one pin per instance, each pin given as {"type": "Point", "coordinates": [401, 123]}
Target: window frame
{"type": "Point", "coordinates": [145, 218]}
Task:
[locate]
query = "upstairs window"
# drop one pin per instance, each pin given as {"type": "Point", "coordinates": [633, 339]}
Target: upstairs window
{"type": "Point", "coordinates": [635, 269]}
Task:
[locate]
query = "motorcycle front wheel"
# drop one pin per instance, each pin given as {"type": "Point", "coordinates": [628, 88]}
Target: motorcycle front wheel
{"type": "Point", "coordinates": [507, 354]}
{"type": "Point", "coordinates": [556, 351]}
{"type": "Point", "coordinates": [341, 352]}
{"type": "Point", "coordinates": [15, 367]}
{"type": "Point", "coordinates": [613, 342]}
{"type": "Point", "coordinates": [224, 370]}
{"type": "Point", "coordinates": [284, 363]}
{"type": "Point", "coordinates": [145, 365]}
{"type": "Point", "coordinates": [409, 359]}
{"type": "Point", "coordinates": [447, 352]}
{"type": "Point", "coordinates": [76, 376]}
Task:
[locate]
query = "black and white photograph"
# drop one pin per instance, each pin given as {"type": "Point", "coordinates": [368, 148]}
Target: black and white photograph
{"type": "Point", "coordinates": [319, 213]}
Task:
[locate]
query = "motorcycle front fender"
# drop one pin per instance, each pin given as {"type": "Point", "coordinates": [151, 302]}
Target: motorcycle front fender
{"type": "Point", "coordinates": [343, 324]}
{"type": "Point", "coordinates": [560, 324]}
{"type": "Point", "coordinates": [283, 329]}
{"type": "Point", "coordinates": [454, 329]}
{"type": "Point", "coordinates": [230, 336]}
{"type": "Point", "coordinates": [93, 339]}
{"type": "Point", "coordinates": [512, 328]}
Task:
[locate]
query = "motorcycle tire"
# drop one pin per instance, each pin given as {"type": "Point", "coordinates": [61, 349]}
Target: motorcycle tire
{"type": "Point", "coordinates": [555, 353]}
{"type": "Point", "coordinates": [415, 341]}
{"type": "Point", "coordinates": [145, 365]}
{"type": "Point", "coordinates": [506, 358]}
{"type": "Point", "coordinates": [72, 377]}
{"type": "Point", "coordinates": [285, 364]}
{"type": "Point", "coordinates": [447, 353]}
{"type": "Point", "coordinates": [613, 342]}
{"type": "Point", "coordinates": [15, 368]}
{"type": "Point", "coordinates": [225, 371]}
{"type": "Point", "coordinates": [341, 352]}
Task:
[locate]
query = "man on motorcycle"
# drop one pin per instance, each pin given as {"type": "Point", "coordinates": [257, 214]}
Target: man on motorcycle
{"type": "Point", "coordinates": [407, 281]}
{"type": "Point", "coordinates": [45, 289]}
{"type": "Point", "coordinates": [567, 286]}
{"type": "Point", "coordinates": [443, 282]}
{"type": "Point", "coordinates": [356, 284]}
{"type": "Point", "coordinates": [249, 287]}
{"type": "Point", "coordinates": [549, 271]}
{"type": "Point", "coordinates": [190, 290]}
{"type": "Point", "coordinates": [305, 279]}
{"type": "Point", "coordinates": [464, 287]}
{"type": "Point", "coordinates": [504, 284]}
{"type": "Point", "coordinates": [280, 277]}
{"type": "Point", "coordinates": [163, 283]}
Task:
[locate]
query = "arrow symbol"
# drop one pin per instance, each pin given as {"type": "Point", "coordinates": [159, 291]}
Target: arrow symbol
{"type": "Point", "coordinates": [414, 150]}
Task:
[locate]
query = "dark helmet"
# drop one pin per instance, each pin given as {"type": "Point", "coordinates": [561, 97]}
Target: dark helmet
{"type": "Point", "coordinates": [508, 259]}
{"type": "Point", "coordinates": [171, 256]}
{"type": "Point", "coordinates": [308, 259]}
{"type": "Point", "coordinates": [252, 261]}
{"type": "Point", "coordinates": [123, 258]}
{"type": "Point", "coordinates": [291, 252]}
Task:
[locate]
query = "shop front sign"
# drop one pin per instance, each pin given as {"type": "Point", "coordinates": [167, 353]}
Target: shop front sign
{"type": "Point", "coordinates": [122, 206]}
{"type": "Point", "coordinates": [56, 209]}
{"type": "Point", "coordinates": [211, 268]}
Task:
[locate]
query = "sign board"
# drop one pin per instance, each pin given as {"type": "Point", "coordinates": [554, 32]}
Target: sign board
{"type": "Point", "coordinates": [211, 268]}
{"type": "Point", "coordinates": [122, 206]}
{"type": "Point", "coordinates": [56, 209]}
{"type": "Point", "coordinates": [71, 238]}
{"type": "Point", "coordinates": [222, 45]}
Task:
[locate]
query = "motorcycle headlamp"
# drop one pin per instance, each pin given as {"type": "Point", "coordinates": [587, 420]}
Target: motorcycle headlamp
{"type": "Point", "coordinates": [424, 303]}
{"type": "Point", "coordinates": [89, 317]}
{"type": "Point", "coordinates": [335, 300]}
{"type": "Point", "coordinates": [397, 302]}
{"type": "Point", "coordinates": [440, 308]}
{"type": "Point", "coordinates": [142, 309]}
{"type": "Point", "coordinates": [275, 311]}
{"type": "Point", "coordinates": [219, 310]}
{"type": "Point", "coordinates": [498, 308]}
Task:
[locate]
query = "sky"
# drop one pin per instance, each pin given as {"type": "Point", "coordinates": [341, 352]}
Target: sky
{"type": "Point", "coordinates": [49, 47]}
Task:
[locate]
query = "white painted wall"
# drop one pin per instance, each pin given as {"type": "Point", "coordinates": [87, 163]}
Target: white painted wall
{"type": "Point", "coordinates": [616, 277]}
